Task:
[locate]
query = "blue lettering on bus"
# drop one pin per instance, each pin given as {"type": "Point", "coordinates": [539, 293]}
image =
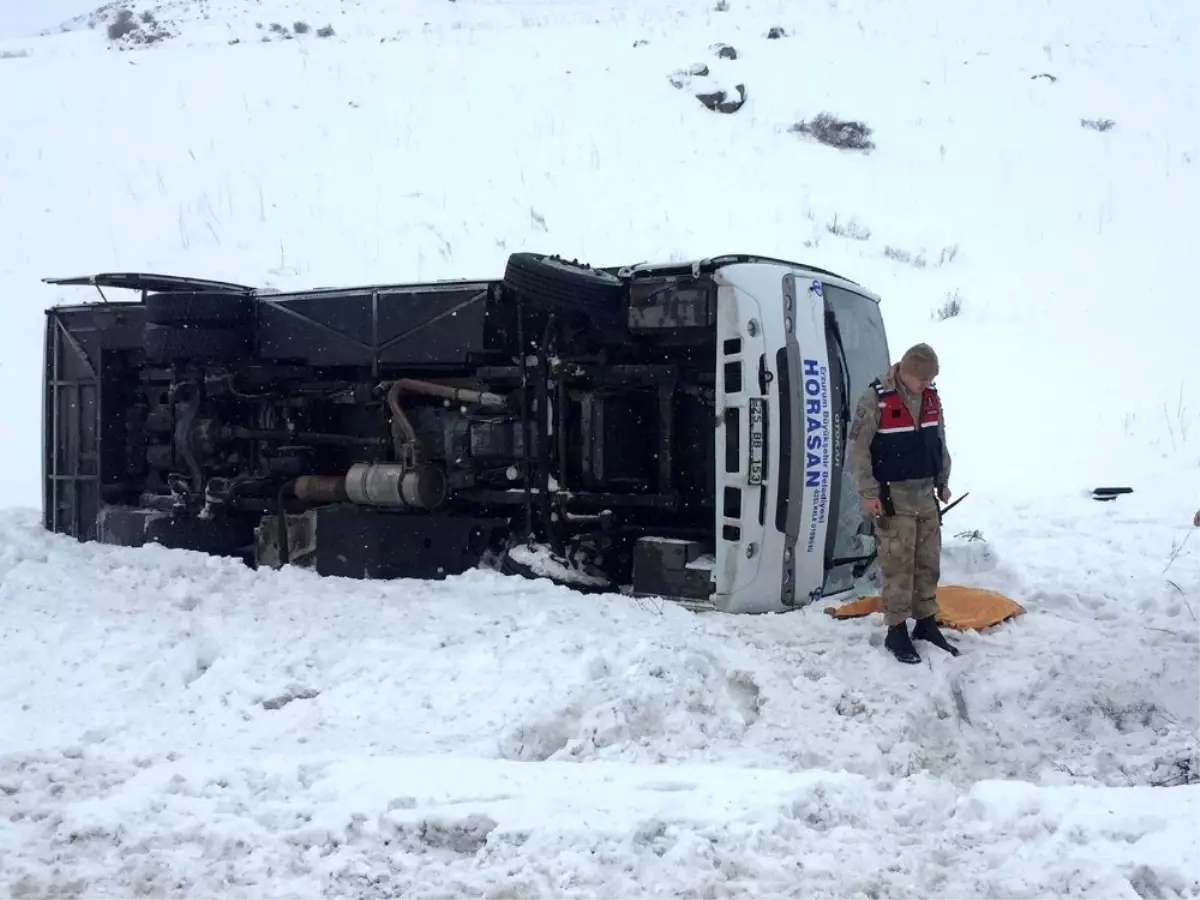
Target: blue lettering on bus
{"type": "Point", "coordinates": [816, 444]}
{"type": "Point", "coordinates": [812, 426]}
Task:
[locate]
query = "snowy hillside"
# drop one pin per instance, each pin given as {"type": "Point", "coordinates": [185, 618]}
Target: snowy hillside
{"type": "Point", "coordinates": [179, 725]}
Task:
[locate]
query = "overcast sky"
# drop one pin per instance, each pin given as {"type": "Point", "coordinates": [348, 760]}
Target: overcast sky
{"type": "Point", "coordinates": [21, 18]}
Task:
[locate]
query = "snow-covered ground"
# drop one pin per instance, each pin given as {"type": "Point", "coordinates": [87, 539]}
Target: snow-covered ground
{"type": "Point", "coordinates": [177, 725]}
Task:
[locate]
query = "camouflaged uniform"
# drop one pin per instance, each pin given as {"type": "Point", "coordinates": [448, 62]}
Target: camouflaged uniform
{"type": "Point", "coordinates": [909, 540]}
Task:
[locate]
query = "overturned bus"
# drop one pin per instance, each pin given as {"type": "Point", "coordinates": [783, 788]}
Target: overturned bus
{"type": "Point", "coordinates": [674, 430]}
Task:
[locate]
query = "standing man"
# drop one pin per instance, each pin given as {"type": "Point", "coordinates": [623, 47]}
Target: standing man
{"type": "Point", "coordinates": [901, 466]}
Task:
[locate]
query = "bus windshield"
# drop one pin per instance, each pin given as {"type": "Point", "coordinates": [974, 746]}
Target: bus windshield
{"type": "Point", "coordinates": [864, 343]}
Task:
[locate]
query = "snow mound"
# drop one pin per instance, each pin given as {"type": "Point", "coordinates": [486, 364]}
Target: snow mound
{"type": "Point", "coordinates": [655, 702]}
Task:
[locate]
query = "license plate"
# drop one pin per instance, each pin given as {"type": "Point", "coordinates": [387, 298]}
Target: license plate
{"type": "Point", "coordinates": [757, 441]}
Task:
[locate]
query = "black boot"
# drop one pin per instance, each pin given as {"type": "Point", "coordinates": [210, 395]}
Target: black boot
{"type": "Point", "coordinates": [898, 642]}
{"type": "Point", "coordinates": [927, 630]}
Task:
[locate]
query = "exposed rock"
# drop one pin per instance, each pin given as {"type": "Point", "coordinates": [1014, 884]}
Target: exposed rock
{"type": "Point", "coordinates": [720, 101]}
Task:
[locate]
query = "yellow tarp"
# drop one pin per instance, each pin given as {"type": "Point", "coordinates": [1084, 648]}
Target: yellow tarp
{"type": "Point", "coordinates": [959, 607]}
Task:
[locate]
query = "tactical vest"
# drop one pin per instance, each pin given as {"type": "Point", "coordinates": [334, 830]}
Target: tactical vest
{"type": "Point", "coordinates": [904, 449]}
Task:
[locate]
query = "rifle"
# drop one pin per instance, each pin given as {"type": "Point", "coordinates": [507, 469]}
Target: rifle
{"type": "Point", "coordinates": [945, 509]}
